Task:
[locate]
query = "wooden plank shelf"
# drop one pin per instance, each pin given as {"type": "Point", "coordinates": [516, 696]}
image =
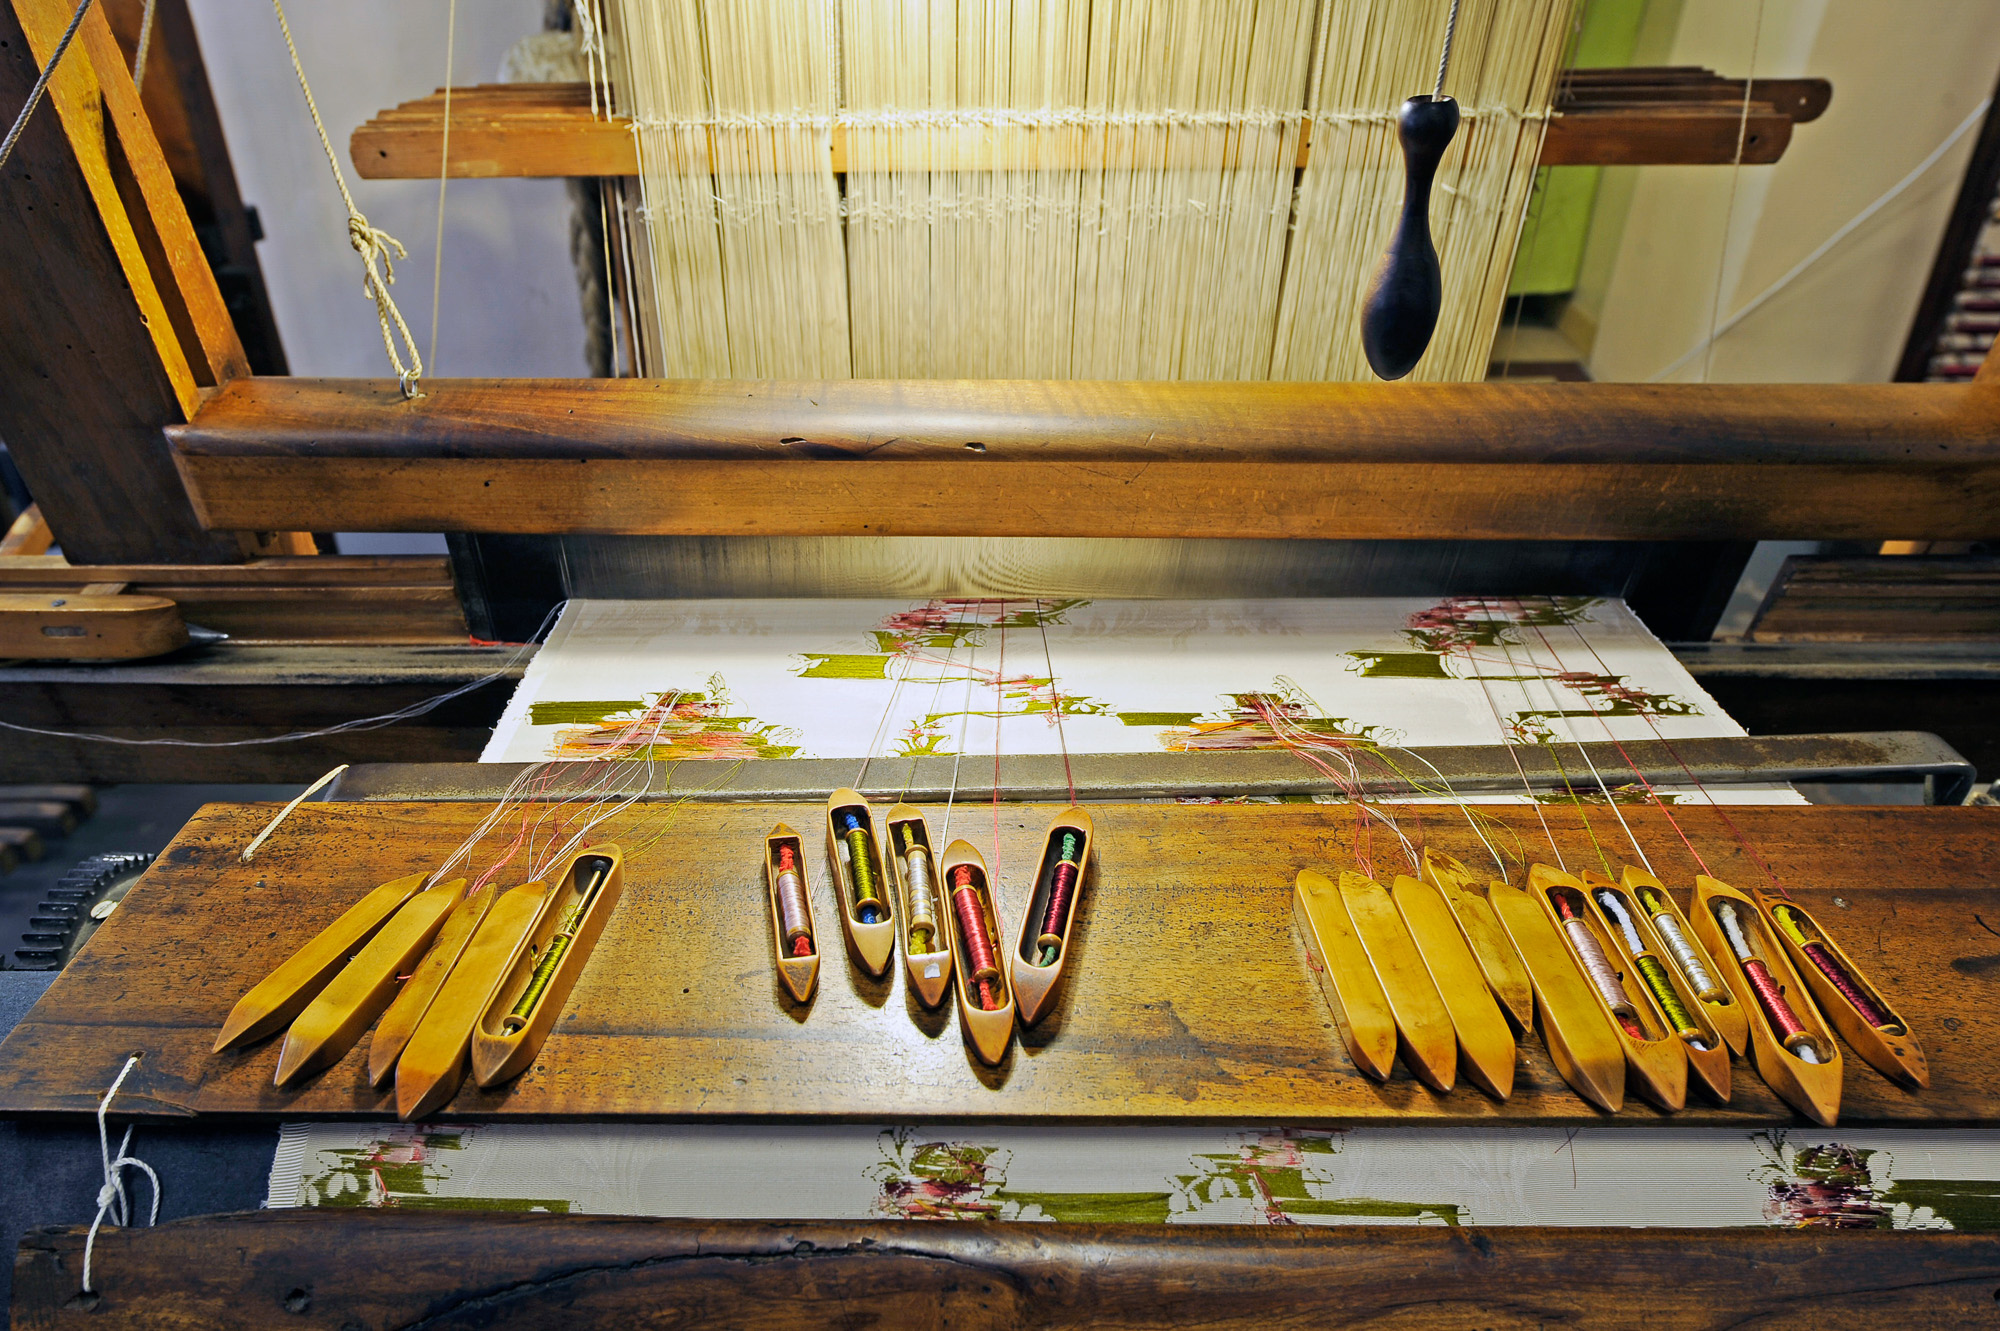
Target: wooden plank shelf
{"type": "Point", "coordinates": [680, 1016]}
{"type": "Point", "coordinates": [1537, 461]}
{"type": "Point", "coordinates": [396, 1268]}
{"type": "Point", "coordinates": [1618, 117]}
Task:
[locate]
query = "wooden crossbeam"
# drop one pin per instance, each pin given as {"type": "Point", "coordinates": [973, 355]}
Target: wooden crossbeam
{"type": "Point", "coordinates": [1627, 117]}
{"type": "Point", "coordinates": [407, 1267]}
{"type": "Point", "coordinates": [994, 457]}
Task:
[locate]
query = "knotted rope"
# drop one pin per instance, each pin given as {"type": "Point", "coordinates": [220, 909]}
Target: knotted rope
{"type": "Point", "coordinates": [111, 1197]}
{"type": "Point", "coordinates": [372, 243]}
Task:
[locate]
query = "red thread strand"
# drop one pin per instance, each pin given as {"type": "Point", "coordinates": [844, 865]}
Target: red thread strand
{"type": "Point", "coordinates": [1772, 999]}
{"type": "Point", "coordinates": [1837, 975]}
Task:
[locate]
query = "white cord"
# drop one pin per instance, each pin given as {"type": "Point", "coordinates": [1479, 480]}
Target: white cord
{"type": "Point", "coordinates": [286, 812]}
{"type": "Point", "coordinates": [1978, 114]}
{"type": "Point", "coordinates": [111, 1197]}
{"type": "Point", "coordinates": [145, 44]}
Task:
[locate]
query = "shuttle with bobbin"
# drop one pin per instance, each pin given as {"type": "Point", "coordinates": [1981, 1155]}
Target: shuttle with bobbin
{"type": "Point", "coordinates": [1790, 1044]}
{"type": "Point", "coordinates": [1638, 953]}
{"type": "Point", "coordinates": [546, 964]}
{"type": "Point", "coordinates": [432, 1065]}
{"type": "Point", "coordinates": [1580, 1038]}
{"type": "Point", "coordinates": [794, 934]}
{"type": "Point", "coordinates": [1656, 1061]}
{"type": "Point", "coordinates": [860, 883]}
{"type": "Point", "coordinates": [926, 920]}
{"type": "Point", "coordinates": [1041, 954]}
{"type": "Point", "coordinates": [985, 1001]}
{"type": "Point", "coordinates": [1687, 957]}
{"type": "Point", "coordinates": [1846, 997]}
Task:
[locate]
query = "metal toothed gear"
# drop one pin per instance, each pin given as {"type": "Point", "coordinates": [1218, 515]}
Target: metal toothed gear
{"type": "Point", "coordinates": [76, 905]}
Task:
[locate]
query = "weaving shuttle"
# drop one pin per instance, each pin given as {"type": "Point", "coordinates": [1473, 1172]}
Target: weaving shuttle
{"type": "Point", "coordinates": [284, 993]}
{"type": "Point", "coordinates": [1346, 980]}
{"type": "Point", "coordinates": [1707, 1052]}
{"type": "Point", "coordinates": [1812, 1088]}
{"type": "Point", "coordinates": [546, 963]}
{"type": "Point", "coordinates": [332, 1022]}
{"type": "Point", "coordinates": [1580, 1038]}
{"type": "Point", "coordinates": [393, 1032]}
{"type": "Point", "coordinates": [792, 920]}
{"type": "Point", "coordinates": [1050, 917]}
{"type": "Point", "coordinates": [1423, 1027]}
{"type": "Point", "coordinates": [854, 857]}
{"type": "Point", "coordinates": [433, 1062]}
{"type": "Point", "coordinates": [1499, 961]}
{"type": "Point", "coordinates": [1889, 1046]}
{"type": "Point", "coordinates": [976, 958]}
{"type": "Point", "coordinates": [1485, 1042]}
{"type": "Point", "coordinates": [928, 960]}
{"type": "Point", "coordinates": [1656, 1063]}
{"type": "Point", "coordinates": [1722, 1009]}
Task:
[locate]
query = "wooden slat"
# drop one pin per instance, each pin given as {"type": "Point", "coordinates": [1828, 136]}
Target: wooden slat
{"type": "Point", "coordinates": [27, 536]}
{"type": "Point", "coordinates": [1605, 117]}
{"type": "Point", "coordinates": [236, 691]}
{"type": "Point", "coordinates": [88, 352]}
{"type": "Point", "coordinates": [680, 1015]}
{"type": "Point", "coordinates": [48, 571]}
{"type": "Point", "coordinates": [995, 457]}
{"type": "Point", "coordinates": [1897, 598]}
{"type": "Point", "coordinates": [415, 1268]}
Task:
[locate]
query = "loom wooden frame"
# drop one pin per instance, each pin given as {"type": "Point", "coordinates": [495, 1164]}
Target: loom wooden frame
{"type": "Point", "coordinates": [1545, 461]}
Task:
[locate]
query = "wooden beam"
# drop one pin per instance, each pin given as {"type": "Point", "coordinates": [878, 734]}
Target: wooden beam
{"type": "Point", "coordinates": [994, 458]}
{"type": "Point", "coordinates": [1605, 117]}
{"type": "Point", "coordinates": [27, 536]}
{"type": "Point", "coordinates": [410, 1268]}
{"type": "Point", "coordinates": [110, 322]}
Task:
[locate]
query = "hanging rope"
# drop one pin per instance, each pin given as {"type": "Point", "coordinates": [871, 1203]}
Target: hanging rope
{"type": "Point", "coordinates": [145, 44]}
{"type": "Point", "coordinates": [42, 83]}
{"type": "Point", "coordinates": [372, 243]}
{"type": "Point", "coordinates": [111, 1199]}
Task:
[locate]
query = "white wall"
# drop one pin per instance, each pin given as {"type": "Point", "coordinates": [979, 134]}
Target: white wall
{"type": "Point", "coordinates": [509, 298]}
{"type": "Point", "coordinates": [1904, 76]}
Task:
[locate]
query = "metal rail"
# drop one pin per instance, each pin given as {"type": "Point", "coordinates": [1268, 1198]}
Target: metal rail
{"type": "Point", "coordinates": [1876, 756]}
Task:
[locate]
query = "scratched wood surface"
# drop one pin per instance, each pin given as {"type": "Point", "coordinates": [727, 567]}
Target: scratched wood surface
{"type": "Point", "coordinates": [397, 1268]}
{"type": "Point", "coordinates": [1189, 997]}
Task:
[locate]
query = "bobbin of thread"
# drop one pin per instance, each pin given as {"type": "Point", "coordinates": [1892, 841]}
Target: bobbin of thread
{"type": "Point", "coordinates": [854, 857]}
{"type": "Point", "coordinates": [1706, 987]}
{"type": "Point", "coordinates": [986, 1007]}
{"type": "Point", "coordinates": [1597, 967]}
{"type": "Point", "coordinates": [1652, 974]}
{"type": "Point", "coordinates": [1806, 934]}
{"type": "Point", "coordinates": [794, 936]}
{"type": "Point", "coordinates": [1785, 1023]}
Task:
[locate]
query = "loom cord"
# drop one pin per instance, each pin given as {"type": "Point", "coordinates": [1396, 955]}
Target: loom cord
{"type": "Point", "coordinates": [42, 83]}
{"type": "Point", "coordinates": [371, 242]}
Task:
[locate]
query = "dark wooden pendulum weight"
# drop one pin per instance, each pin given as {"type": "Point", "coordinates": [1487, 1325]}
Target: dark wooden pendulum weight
{"type": "Point", "coordinates": [1408, 289]}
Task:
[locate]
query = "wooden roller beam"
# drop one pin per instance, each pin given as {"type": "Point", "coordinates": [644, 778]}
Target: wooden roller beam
{"type": "Point", "coordinates": [457, 1268]}
{"type": "Point", "coordinates": [1616, 117]}
{"type": "Point", "coordinates": [1557, 461]}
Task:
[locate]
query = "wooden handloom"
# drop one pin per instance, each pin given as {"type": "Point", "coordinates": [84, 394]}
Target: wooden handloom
{"type": "Point", "coordinates": [131, 410]}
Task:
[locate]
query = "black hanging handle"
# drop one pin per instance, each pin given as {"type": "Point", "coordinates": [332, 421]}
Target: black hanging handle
{"type": "Point", "coordinates": [1408, 290]}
